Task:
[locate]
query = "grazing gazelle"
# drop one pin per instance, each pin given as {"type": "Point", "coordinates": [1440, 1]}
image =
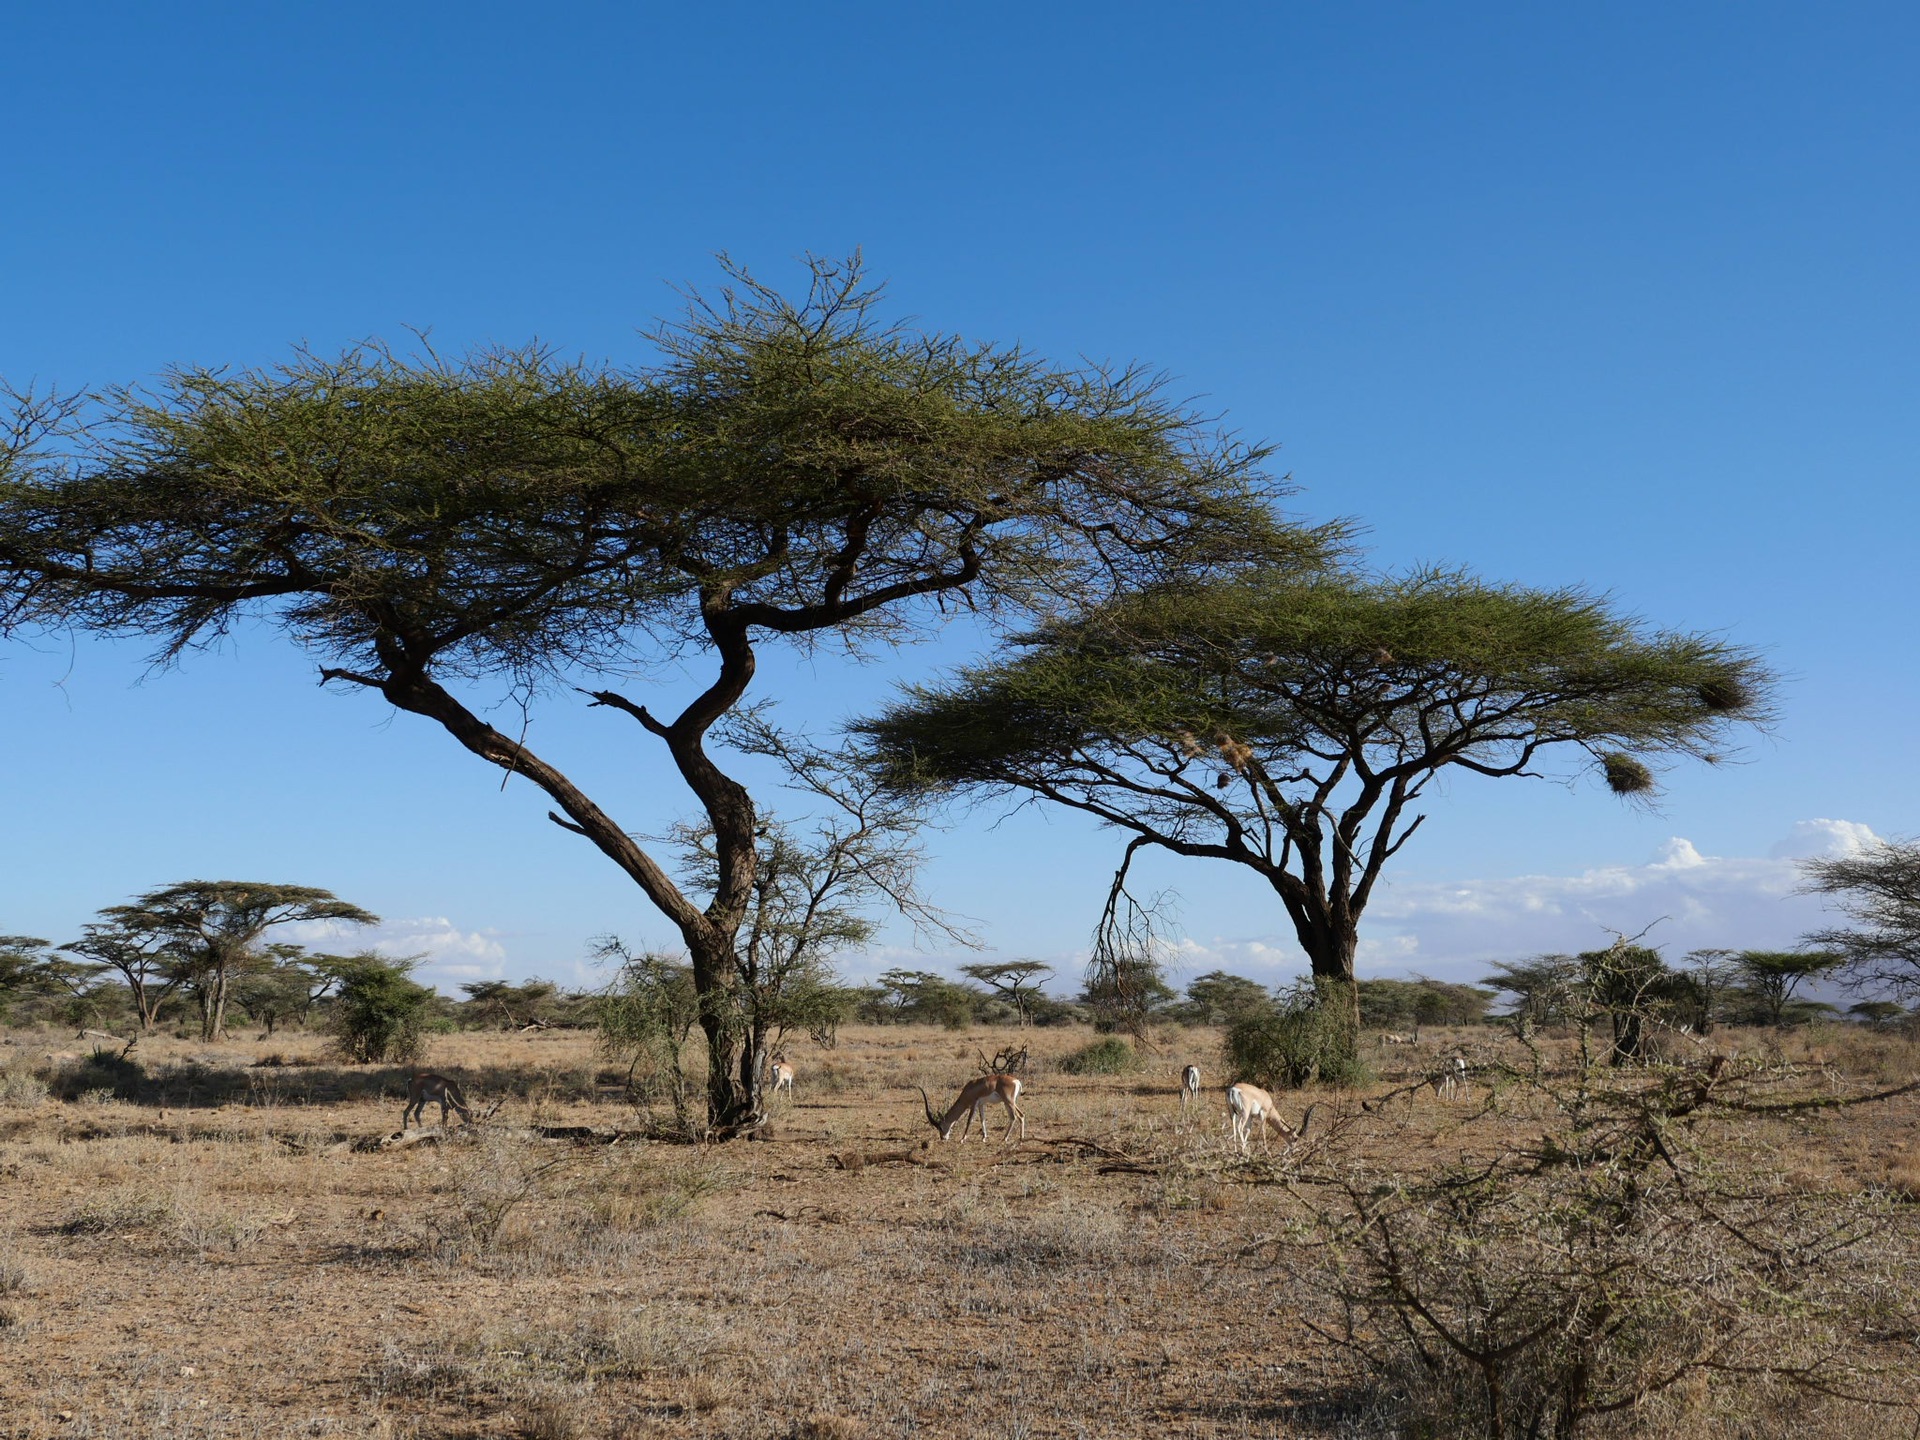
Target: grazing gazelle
{"type": "Point", "coordinates": [427, 1087]}
{"type": "Point", "coordinates": [1189, 1085]}
{"type": "Point", "coordinates": [972, 1103]}
{"type": "Point", "coordinates": [1249, 1108]}
{"type": "Point", "coordinates": [781, 1074]}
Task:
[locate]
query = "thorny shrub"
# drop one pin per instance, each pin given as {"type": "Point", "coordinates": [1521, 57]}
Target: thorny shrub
{"type": "Point", "coordinates": [1643, 1240]}
{"type": "Point", "coordinates": [1307, 1035]}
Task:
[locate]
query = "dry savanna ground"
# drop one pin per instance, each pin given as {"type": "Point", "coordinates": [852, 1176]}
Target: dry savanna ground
{"type": "Point", "coordinates": [215, 1258]}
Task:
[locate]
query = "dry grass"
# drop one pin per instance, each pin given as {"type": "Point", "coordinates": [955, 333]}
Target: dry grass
{"type": "Point", "coordinates": [206, 1259]}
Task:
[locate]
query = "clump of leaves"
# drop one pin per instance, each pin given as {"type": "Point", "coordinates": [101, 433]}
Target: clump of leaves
{"type": "Point", "coordinates": [1308, 1035]}
{"type": "Point", "coordinates": [1107, 1056]}
{"type": "Point", "coordinates": [379, 1013]}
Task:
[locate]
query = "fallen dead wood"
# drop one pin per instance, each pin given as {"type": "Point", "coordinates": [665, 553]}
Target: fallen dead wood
{"type": "Point", "coordinates": [1057, 1151]}
{"type": "Point", "coordinates": [856, 1160]}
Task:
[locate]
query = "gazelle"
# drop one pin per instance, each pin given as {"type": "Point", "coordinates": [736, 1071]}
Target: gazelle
{"type": "Point", "coordinates": [1451, 1079]}
{"type": "Point", "coordinates": [425, 1087]}
{"type": "Point", "coordinates": [781, 1074]}
{"type": "Point", "coordinates": [972, 1103]}
{"type": "Point", "coordinates": [1189, 1085]}
{"type": "Point", "coordinates": [1389, 1037]}
{"type": "Point", "coordinates": [1248, 1107]}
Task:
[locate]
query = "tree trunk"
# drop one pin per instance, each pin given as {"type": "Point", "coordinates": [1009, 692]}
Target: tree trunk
{"type": "Point", "coordinates": [732, 1057]}
{"type": "Point", "coordinates": [1330, 948]}
{"type": "Point", "coordinates": [145, 1007]}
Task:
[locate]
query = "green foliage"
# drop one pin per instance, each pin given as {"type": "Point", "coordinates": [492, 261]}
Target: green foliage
{"type": "Point", "coordinates": [1307, 1036]}
{"type": "Point", "coordinates": [503, 1005]}
{"type": "Point", "coordinates": [1771, 977]}
{"type": "Point", "coordinates": [922, 997]}
{"type": "Point", "coordinates": [22, 958]}
{"type": "Point", "coordinates": [378, 1013]}
{"type": "Point", "coordinates": [1547, 990]}
{"type": "Point", "coordinates": [1398, 1004]}
{"type": "Point", "coordinates": [1627, 983]}
{"type": "Point", "coordinates": [1217, 998]}
{"type": "Point", "coordinates": [645, 1018]}
{"type": "Point", "coordinates": [1109, 1055]}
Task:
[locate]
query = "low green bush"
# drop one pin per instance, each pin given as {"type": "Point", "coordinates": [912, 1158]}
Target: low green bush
{"type": "Point", "coordinates": [1110, 1056]}
{"type": "Point", "coordinates": [1309, 1035]}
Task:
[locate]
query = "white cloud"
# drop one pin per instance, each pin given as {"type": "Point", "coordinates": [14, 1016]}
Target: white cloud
{"type": "Point", "coordinates": [1812, 838]}
{"type": "Point", "coordinates": [1452, 929]}
{"type": "Point", "coordinates": [451, 955]}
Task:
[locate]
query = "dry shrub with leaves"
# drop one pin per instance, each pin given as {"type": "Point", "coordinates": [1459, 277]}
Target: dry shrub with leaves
{"type": "Point", "coordinates": [1649, 1238]}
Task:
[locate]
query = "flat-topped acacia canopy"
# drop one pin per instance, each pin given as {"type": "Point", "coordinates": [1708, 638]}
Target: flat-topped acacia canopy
{"type": "Point", "coordinates": [1287, 719]}
{"type": "Point", "coordinates": [799, 469]}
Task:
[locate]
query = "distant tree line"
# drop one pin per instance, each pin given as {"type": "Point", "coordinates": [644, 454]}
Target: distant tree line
{"type": "Point", "coordinates": [198, 958]}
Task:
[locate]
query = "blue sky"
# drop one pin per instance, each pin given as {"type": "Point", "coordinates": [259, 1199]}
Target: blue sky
{"type": "Point", "coordinates": [1621, 296]}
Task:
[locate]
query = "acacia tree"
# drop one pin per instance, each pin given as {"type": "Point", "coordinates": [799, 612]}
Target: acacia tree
{"type": "Point", "coordinates": [1878, 889]}
{"type": "Point", "coordinates": [1773, 976]}
{"type": "Point", "coordinates": [795, 472]}
{"type": "Point", "coordinates": [1291, 722]}
{"type": "Point", "coordinates": [23, 961]}
{"type": "Point", "coordinates": [1018, 980]}
{"type": "Point", "coordinates": [213, 928]}
{"type": "Point", "coordinates": [142, 955]}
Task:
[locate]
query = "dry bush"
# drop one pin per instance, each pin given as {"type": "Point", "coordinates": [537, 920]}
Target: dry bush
{"type": "Point", "coordinates": [17, 1087]}
{"type": "Point", "coordinates": [123, 1208]}
{"type": "Point", "coordinates": [542, 1369]}
{"type": "Point", "coordinates": [1068, 1236]}
{"type": "Point", "coordinates": [200, 1227]}
{"type": "Point", "coordinates": [487, 1185]}
{"type": "Point", "coordinates": [1646, 1240]}
{"type": "Point", "coordinates": [626, 1196]}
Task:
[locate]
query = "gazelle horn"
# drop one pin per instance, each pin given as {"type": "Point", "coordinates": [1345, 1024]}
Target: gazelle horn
{"type": "Point", "coordinates": [932, 1119]}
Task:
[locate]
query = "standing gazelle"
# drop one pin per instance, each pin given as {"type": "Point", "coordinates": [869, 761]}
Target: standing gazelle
{"type": "Point", "coordinates": [1249, 1107]}
{"type": "Point", "coordinates": [1189, 1086]}
{"type": "Point", "coordinates": [972, 1103]}
{"type": "Point", "coordinates": [781, 1074]}
{"type": "Point", "coordinates": [425, 1087]}
{"type": "Point", "coordinates": [1450, 1080]}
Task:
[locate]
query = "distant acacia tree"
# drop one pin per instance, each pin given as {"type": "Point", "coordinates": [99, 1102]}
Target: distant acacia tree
{"type": "Point", "coordinates": [1291, 721]}
{"type": "Point", "coordinates": [210, 931]}
{"type": "Point", "coordinates": [1878, 890]}
{"type": "Point", "coordinates": [1217, 998]}
{"type": "Point", "coordinates": [143, 955]}
{"type": "Point", "coordinates": [801, 473]}
{"type": "Point", "coordinates": [1772, 977]}
{"type": "Point", "coordinates": [926, 997]}
{"type": "Point", "coordinates": [1018, 980]}
{"type": "Point", "coordinates": [1712, 977]}
{"type": "Point", "coordinates": [277, 986]}
{"type": "Point", "coordinates": [1546, 990]}
{"type": "Point", "coordinates": [22, 966]}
